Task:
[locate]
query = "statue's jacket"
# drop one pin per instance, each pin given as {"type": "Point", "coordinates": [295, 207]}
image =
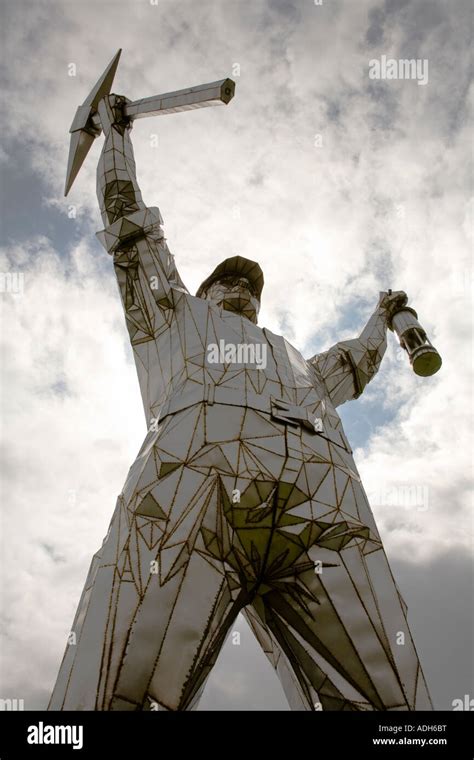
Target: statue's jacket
{"type": "Point", "coordinates": [240, 423]}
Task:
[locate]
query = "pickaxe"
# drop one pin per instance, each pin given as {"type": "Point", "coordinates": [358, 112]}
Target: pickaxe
{"type": "Point", "coordinates": [86, 125]}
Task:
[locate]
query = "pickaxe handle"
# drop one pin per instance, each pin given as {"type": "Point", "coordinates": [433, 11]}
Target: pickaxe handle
{"type": "Point", "coordinates": [212, 94]}
{"type": "Point", "coordinates": [188, 99]}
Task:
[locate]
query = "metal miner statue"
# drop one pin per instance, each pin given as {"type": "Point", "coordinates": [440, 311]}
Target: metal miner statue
{"type": "Point", "coordinates": [244, 496]}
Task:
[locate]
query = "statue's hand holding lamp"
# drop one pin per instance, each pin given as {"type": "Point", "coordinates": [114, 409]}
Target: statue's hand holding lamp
{"type": "Point", "coordinates": [424, 358]}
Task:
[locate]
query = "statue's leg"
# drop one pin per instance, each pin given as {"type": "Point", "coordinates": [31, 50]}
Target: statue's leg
{"type": "Point", "coordinates": [145, 640]}
{"type": "Point", "coordinates": [159, 598]}
{"type": "Point", "coordinates": [298, 689]}
{"type": "Point", "coordinates": [305, 684]}
{"type": "Point", "coordinates": [175, 640]}
{"type": "Point", "coordinates": [343, 632]}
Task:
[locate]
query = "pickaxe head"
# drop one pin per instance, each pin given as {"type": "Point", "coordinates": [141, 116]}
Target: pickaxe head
{"type": "Point", "coordinates": [83, 130]}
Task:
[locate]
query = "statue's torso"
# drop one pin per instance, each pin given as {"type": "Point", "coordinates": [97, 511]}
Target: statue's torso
{"type": "Point", "coordinates": [183, 369]}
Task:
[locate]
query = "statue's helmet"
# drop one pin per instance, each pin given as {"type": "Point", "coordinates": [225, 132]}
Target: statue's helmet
{"type": "Point", "coordinates": [236, 265]}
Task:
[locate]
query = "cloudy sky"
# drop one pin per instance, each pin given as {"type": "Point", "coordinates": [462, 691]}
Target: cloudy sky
{"type": "Point", "coordinates": [338, 184]}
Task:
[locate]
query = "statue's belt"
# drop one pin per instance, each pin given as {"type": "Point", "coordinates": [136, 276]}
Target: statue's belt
{"type": "Point", "coordinates": [277, 408]}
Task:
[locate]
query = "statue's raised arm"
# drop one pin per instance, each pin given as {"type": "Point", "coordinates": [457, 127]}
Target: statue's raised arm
{"type": "Point", "coordinates": [117, 186]}
{"type": "Point", "coordinates": [349, 365]}
{"type": "Point", "coordinates": [145, 268]}
{"type": "Point", "coordinates": [146, 273]}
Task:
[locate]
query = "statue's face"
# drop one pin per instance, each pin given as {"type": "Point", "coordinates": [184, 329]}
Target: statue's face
{"type": "Point", "coordinates": [235, 293]}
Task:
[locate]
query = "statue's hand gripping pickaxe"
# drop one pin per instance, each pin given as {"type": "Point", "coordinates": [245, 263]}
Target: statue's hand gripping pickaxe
{"type": "Point", "coordinates": [111, 113]}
